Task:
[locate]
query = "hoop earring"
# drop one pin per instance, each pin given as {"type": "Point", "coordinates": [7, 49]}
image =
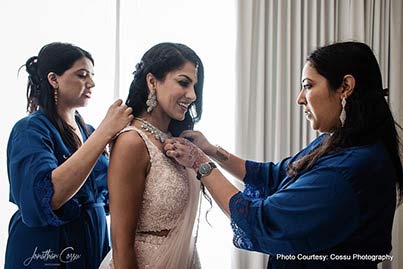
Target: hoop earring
{"type": "Point", "coordinates": [343, 111]}
{"type": "Point", "coordinates": [151, 101]}
{"type": "Point", "coordinates": [56, 95]}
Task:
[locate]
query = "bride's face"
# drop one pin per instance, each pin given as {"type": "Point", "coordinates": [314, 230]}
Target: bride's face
{"type": "Point", "coordinates": [175, 93]}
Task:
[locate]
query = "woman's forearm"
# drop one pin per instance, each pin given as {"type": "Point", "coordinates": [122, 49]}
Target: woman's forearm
{"type": "Point", "coordinates": [68, 178]}
{"type": "Point", "coordinates": [220, 189]}
{"type": "Point", "coordinates": [231, 163]}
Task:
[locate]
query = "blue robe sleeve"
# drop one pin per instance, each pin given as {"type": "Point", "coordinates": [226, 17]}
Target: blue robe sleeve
{"type": "Point", "coordinates": [31, 160]}
{"type": "Point", "coordinates": [100, 174]}
{"type": "Point", "coordinates": [315, 212]}
{"type": "Point", "coordinates": [263, 179]}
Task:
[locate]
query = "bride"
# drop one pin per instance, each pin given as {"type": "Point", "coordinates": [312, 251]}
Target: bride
{"type": "Point", "coordinates": [153, 200]}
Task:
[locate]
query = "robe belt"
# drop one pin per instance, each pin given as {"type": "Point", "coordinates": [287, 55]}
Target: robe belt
{"type": "Point", "coordinates": [92, 205]}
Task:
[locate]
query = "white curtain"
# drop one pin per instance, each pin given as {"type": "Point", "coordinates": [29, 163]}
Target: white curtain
{"type": "Point", "coordinates": [396, 102]}
{"type": "Point", "coordinates": [273, 39]}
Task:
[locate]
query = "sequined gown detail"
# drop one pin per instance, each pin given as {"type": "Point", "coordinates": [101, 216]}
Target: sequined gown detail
{"type": "Point", "coordinates": [165, 197]}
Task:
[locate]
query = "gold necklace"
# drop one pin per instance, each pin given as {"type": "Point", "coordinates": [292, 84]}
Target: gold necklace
{"type": "Point", "coordinates": [158, 134]}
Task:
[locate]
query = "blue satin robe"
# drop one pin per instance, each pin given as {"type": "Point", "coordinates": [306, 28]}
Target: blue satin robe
{"type": "Point", "coordinates": [344, 205]}
{"type": "Point", "coordinates": [74, 236]}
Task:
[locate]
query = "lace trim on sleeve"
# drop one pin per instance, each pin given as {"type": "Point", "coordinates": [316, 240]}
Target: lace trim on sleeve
{"type": "Point", "coordinates": [240, 240]}
{"type": "Point", "coordinates": [44, 193]}
{"type": "Point", "coordinates": [239, 208]}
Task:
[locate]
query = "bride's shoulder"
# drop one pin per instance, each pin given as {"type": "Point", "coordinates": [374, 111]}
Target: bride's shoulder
{"type": "Point", "coordinates": [130, 143]}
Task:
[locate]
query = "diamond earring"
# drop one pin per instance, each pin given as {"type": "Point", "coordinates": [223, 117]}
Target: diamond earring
{"type": "Point", "coordinates": [56, 95]}
{"type": "Point", "coordinates": [343, 111]}
{"type": "Point", "coordinates": [151, 101]}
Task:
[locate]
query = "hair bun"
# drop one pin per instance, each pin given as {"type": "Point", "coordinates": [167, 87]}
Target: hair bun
{"type": "Point", "coordinates": [32, 64]}
{"type": "Point", "coordinates": [32, 69]}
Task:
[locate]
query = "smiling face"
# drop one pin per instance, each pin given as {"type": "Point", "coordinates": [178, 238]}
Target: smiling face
{"type": "Point", "coordinates": [175, 93]}
{"type": "Point", "coordinates": [322, 106]}
{"type": "Point", "coordinates": [75, 84]}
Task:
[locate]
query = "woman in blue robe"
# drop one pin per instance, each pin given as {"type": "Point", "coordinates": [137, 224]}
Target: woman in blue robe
{"type": "Point", "coordinates": [57, 166]}
{"type": "Point", "coordinates": [332, 204]}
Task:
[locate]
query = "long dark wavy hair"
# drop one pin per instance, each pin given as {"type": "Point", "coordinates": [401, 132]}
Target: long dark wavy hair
{"type": "Point", "coordinates": [54, 57]}
{"type": "Point", "coordinates": [160, 60]}
{"type": "Point", "coordinates": [369, 119]}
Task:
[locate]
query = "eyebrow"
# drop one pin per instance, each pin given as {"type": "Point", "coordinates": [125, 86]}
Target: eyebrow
{"type": "Point", "coordinates": [306, 79]}
{"type": "Point", "coordinates": [86, 70]}
{"type": "Point", "coordinates": [183, 75]}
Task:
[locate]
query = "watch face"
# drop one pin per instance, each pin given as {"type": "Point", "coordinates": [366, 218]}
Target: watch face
{"type": "Point", "coordinates": [204, 168]}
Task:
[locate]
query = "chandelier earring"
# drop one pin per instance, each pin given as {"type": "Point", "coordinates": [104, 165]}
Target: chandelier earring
{"type": "Point", "coordinates": [56, 95]}
{"type": "Point", "coordinates": [151, 101]}
{"type": "Point", "coordinates": [343, 111]}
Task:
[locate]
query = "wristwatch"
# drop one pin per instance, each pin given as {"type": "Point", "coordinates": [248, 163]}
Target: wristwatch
{"type": "Point", "coordinates": [205, 169]}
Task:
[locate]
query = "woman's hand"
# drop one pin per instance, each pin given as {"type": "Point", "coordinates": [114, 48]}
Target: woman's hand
{"type": "Point", "coordinates": [199, 140]}
{"type": "Point", "coordinates": [117, 118]}
{"type": "Point", "coordinates": [185, 152]}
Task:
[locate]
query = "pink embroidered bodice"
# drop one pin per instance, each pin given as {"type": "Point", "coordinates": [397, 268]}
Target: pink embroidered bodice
{"type": "Point", "coordinates": [166, 190]}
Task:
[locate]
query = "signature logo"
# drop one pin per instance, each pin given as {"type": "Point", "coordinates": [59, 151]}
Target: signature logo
{"type": "Point", "coordinates": [51, 258]}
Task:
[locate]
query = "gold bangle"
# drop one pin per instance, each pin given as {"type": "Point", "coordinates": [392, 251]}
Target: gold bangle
{"type": "Point", "coordinates": [221, 155]}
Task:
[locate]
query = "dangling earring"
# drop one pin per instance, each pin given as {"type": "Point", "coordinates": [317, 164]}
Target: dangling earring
{"type": "Point", "coordinates": [151, 101]}
{"type": "Point", "coordinates": [55, 94]}
{"type": "Point", "coordinates": [343, 111]}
